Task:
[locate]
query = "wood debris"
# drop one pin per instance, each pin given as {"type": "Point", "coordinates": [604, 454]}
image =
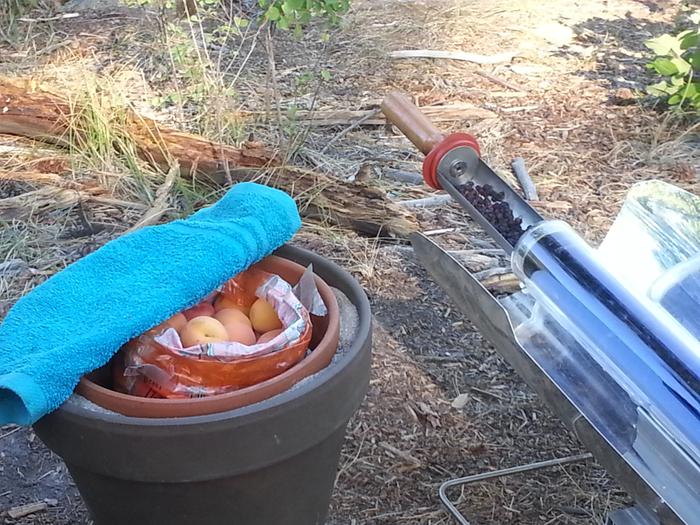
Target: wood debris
{"type": "Point", "coordinates": [526, 182]}
{"type": "Point", "coordinates": [28, 111]}
{"type": "Point", "coordinates": [25, 510]}
{"type": "Point", "coordinates": [437, 114]}
{"type": "Point", "coordinates": [461, 401]}
{"type": "Point", "coordinates": [454, 55]}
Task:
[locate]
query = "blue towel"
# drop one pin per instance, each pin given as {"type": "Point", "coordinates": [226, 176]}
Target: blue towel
{"type": "Point", "coordinates": [77, 320]}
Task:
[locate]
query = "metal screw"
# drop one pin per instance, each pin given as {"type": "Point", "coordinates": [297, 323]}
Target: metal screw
{"type": "Point", "coordinates": [458, 168]}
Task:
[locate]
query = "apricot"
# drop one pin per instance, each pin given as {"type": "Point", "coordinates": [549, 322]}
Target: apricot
{"type": "Point", "coordinates": [269, 336]}
{"type": "Point", "coordinates": [223, 302]}
{"type": "Point", "coordinates": [228, 315]}
{"type": "Point", "coordinates": [199, 310]}
{"type": "Point", "coordinates": [263, 317]}
{"type": "Point", "coordinates": [177, 321]}
{"type": "Point", "coordinates": [201, 330]}
{"type": "Point", "coordinates": [240, 332]}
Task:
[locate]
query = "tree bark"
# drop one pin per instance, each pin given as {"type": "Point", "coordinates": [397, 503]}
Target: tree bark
{"type": "Point", "coordinates": [29, 111]}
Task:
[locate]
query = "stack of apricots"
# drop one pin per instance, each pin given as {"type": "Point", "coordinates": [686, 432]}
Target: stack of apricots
{"type": "Point", "coordinates": [224, 320]}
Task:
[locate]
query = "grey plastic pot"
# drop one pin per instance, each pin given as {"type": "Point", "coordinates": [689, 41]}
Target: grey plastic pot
{"type": "Point", "coordinates": [274, 462]}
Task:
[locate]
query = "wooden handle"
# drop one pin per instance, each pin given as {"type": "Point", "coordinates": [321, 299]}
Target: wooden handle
{"type": "Point", "coordinates": [401, 112]}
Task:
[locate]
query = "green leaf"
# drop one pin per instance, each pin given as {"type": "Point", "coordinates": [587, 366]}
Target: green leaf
{"type": "Point", "coordinates": [694, 59]}
{"type": "Point", "coordinates": [273, 13]}
{"type": "Point", "coordinates": [664, 45]}
{"type": "Point", "coordinates": [695, 17]}
{"type": "Point", "coordinates": [294, 5]}
{"type": "Point", "coordinates": [283, 22]}
{"type": "Point", "coordinates": [326, 75]}
{"type": "Point", "coordinates": [664, 67]}
{"type": "Point", "coordinates": [681, 65]}
{"type": "Point", "coordinates": [173, 98]}
{"type": "Point", "coordinates": [325, 37]}
{"type": "Point", "coordinates": [690, 91]}
{"type": "Point", "coordinates": [240, 22]}
{"type": "Point", "coordinates": [678, 81]}
{"type": "Point", "coordinates": [660, 89]}
{"type": "Point", "coordinates": [689, 38]}
{"type": "Point", "coordinates": [674, 100]}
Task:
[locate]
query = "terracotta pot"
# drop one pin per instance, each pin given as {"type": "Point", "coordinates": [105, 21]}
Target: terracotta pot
{"type": "Point", "coordinates": [270, 463]}
{"type": "Point", "coordinates": [324, 342]}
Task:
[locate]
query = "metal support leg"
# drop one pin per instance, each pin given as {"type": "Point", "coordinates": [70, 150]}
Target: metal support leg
{"type": "Point", "coordinates": [459, 517]}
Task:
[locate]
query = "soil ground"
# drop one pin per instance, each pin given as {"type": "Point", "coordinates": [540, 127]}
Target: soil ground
{"type": "Point", "coordinates": [565, 103]}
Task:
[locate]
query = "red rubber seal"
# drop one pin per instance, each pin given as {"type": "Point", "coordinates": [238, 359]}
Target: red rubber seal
{"type": "Point", "coordinates": [432, 159]}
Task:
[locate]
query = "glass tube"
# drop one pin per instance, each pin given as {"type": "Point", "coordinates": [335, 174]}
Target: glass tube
{"type": "Point", "coordinates": [639, 342]}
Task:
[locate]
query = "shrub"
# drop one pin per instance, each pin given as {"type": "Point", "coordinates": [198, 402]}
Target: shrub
{"type": "Point", "coordinates": [293, 14]}
{"type": "Point", "coordinates": [678, 61]}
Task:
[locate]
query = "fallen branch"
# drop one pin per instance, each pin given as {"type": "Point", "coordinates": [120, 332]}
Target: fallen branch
{"type": "Point", "coordinates": [484, 251]}
{"type": "Point", "coordinates": [441, 231]}
{"type": "Point", "coordinates": [492, 272]}
{"type": "Point", "coordinates": [407, 177]}
{"type": "Point", "coordinates": [48, 198]}
{"type": "Point", "coordinates": [503, 284]}
{"type": "Point", "coordinates": [440, 358]}
{"type": "Point", "coordinates": [485, 244]}
{"type": "Point", "coordinates": [39, 114]}
{"type": "Point", "coordinates": [454, 55]}
{"type": "Point", "coordinates": [160, 205]}
{"type": "Point", "coordinates": [50, 18]}
{"type": "Point", "coordinates": [517, 109]}
{"type": "Point", "coordinates": [25, 510]}
{"type": "Point", "coordinates": [526, 182]}
{"type": "Point", "coordinates": [340, 117]}
{"type": "Point", "coordinates": [10, 432]}
{"type": "Point", "coordinates": [500, 82]}
{"type": "Point", "coordinates": [476, 262]}
{"type": "Point", "coordinates": [352, 126]}
{"type": "Point", "coordinates": [428, 202]}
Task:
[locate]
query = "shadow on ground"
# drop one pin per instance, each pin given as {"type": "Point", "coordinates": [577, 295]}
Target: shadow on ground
{"type": "Point", "coordinates": [618, 51]}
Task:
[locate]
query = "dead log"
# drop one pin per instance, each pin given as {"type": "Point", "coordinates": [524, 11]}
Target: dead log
{"type": "Point", "coordinates": [32, 111]}
{"type": "Point", "coordinates": [358, 206]}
